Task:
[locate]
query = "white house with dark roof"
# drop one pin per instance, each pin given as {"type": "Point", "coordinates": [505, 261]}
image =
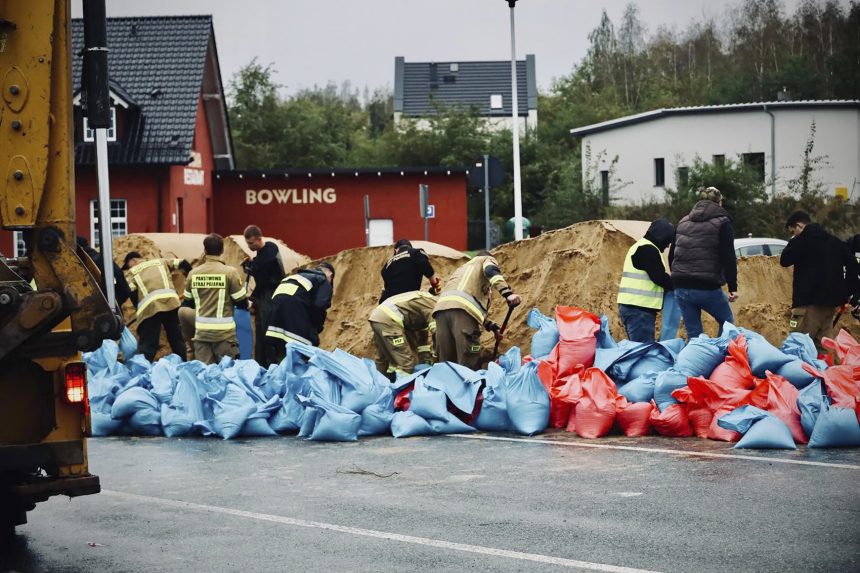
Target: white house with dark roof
{"type": "Point", "coordinates": [655, 148]}
{"type": "Point", "coordinates": [422, 88]}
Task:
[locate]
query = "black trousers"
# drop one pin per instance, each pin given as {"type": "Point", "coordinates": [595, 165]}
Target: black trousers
{"type": "Point", "coordinates": [149, 331]}
{"type": "Point", "coordinates": [262, 310]}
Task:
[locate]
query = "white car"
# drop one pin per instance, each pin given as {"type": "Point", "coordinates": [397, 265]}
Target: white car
{"type": "Point", "coordinates": [758, 246]}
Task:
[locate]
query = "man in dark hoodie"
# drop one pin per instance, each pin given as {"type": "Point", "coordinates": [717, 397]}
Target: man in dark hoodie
{"type": "Point", "coordinates": [121, 288]}
{"type": "Point", "coordinates": [643, 281]}
{"type": "Point", "coordinates": [825, 276]}
{"type": "Point", "coordinates": [702, 259]}
{"type": "Point", "coordinates": [299, 308]}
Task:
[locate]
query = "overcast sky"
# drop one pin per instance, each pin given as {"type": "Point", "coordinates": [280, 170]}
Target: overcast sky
{"type": "Point", "coordinates": [313, 42]}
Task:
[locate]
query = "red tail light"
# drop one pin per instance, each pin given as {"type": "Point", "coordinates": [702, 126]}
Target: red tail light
{"type": "Point", "coordinates": [76, 383]}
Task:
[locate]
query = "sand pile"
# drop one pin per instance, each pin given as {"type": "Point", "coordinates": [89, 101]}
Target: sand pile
{"type": "Point", "coordinates": [358, 285]}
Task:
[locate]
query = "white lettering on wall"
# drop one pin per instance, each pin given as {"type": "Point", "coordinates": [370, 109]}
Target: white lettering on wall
{"type": "Point", "coordinates": [290, 196]}
{"type": "Point", "coordinates": [194, 176]}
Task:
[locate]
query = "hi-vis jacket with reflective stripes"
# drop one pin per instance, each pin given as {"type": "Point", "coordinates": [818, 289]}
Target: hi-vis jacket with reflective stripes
{"type": "Point", "coordinates": [299, 307]}
{"type": "Point", "coordinates": [636, 288]}
{"type": "Point", "coordinates": [411, 310]}
{"type": "Point", "coordinates": [469, 288]}
{"type": "Point", "coordinates": [155, 292]}
{"type": "Point", "coordinates": [214, 287]}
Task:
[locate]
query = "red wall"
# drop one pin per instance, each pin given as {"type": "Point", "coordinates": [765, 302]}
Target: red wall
{"type": "Point", "coordinates": [320, 229]}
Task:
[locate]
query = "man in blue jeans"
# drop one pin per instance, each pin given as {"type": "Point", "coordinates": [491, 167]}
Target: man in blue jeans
{"type": "Point", "coordinates": [702, 259]}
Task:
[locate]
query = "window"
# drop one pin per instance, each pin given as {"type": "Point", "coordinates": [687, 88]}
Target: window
{"type": "Point", "coordinates": [118, 220]}
{"type": "Point", "coordinates": [454, 68]}
{"type": "Point", "coordinates": [604, 186]}
{"type": "Point", "coordinates": [19, 247]}
{"type": "Point", "coordinates": [496, 101]}
{"type": "Point", "coordinates": [755, 161]}
{"type": "Point", "coordinates": [659, 172]}
{"type": "Point", "coordinates": [90, 134]}
{"type": "Point", "coordinates": [774, 250]}
{"type": "Point", "coordinates": [683, 176]}
{"type": "Point", "coordinates": [750, 251]}
{"type": "Point", "coordinates": [719, 159]}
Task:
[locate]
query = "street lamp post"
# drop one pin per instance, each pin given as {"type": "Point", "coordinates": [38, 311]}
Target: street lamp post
{"type": "Point", "coordinates": [518, 191]}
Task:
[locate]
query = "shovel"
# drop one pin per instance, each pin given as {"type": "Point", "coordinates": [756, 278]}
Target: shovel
{"type": "Point", "coordinates": [500, 333]}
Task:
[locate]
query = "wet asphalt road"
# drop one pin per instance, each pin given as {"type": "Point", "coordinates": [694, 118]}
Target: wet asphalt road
{"type": "Point", "coordinates": [449, 504]}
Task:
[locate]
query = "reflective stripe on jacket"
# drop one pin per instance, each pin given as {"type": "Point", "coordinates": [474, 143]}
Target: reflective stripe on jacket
{"type": "Point", "coordinates": [154, 286]}
{"type": "Point", "coordinates": [470, 285]}
{"type": "Point", "coordinates": [214, 286]}
{"type": "Point", "coordinates": [637, 288]}
{"type": "Point", "coordinates": [410, 311]}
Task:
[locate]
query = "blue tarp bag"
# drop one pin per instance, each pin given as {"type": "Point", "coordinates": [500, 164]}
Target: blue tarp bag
{"type": "Point", "coordinates": [604, 337]}
{"type": "Point", "coordinates": [526, 400]}
{"type": "Point", "coordinates": [701, 356]}
{"type": "Point", "coordinates": [103, 425]}
{"type": "Point", "coordinates": [793, 372]}
{"type": "Point", "coordinates": [138, 365]}
{"type": "Point", "coordinates": [665, 383]}
{"type": "Point", "coordinates": [248, 375]}
{"type": "Point", "coordinates": [232, 411]}
{"type": "Point", "coordinates": [639, 389]}
{"type": "Point", "coordinates": [309, 419]}
{"type": "Point", "coordinates": [427, 401]}
{"type": "Point", "coordinates": [741, 419]}
{"type": "Point", "coordinates": [768, 433]}
{"type": "Point", "coordinates": [800, 344]}
{"type": "Point", "coordinates": [493, 416]}
{"type": "Point", "coordinates": [671, 319]}
{"type": "Point", "coordinates": [460, 384]}
{"type": "Point", "coordinates": [450, 425]}
{"type": "Point", "coordinates": [146, 422]}
{"type": "Point", "coordinates": [763, 355]}
{"type": "Point", "coordinates": [333, 423]}
{"type": "Point", "coordinates": [289, 417]}
{"type": "Point", "coordinates": [809, 402]}
{"type": "Point", "coordinates": [510, 361]}
{"type": "Point", "coordinates": [835, 427]}
{"type": "Point", "coordinates": [131, 400]}
{"type": "Point", "coordinates": [163, 377]}
{"type": "Point", "coordinates": [323, 384]}
{"type": "Point", "coordinates": [185, 409]}
{"type": "Point", "coordinates": [545, 339]}
{"type": "Point", "coordinates": [127, 344]}
{"type": "Point", "coordinates": [408, 423]}
{"type": "Point", "coordinates": [376, 418]}
{"type": "Point", "coordinates": [257, 424]}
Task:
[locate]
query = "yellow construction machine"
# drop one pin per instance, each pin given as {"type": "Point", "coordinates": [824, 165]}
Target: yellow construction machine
{"type": "Point", "coordinates": [52, 301]}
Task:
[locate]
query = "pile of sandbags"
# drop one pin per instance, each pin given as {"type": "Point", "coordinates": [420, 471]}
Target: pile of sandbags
{"type": "Point", "coordinates": [716, 388]}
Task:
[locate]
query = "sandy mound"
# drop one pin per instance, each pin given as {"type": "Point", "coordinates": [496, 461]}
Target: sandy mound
{"type": "Point", "coordinates": [358, 285]}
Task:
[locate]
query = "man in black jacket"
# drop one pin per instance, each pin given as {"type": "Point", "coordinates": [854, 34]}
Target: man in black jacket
{"type": "Point", "coordinates": [267, 269]}
{"type": "Point", "coordinates": [643, 281]}
{"type": "Point", "coordinates": [299, 308]}
{"type": "Point", "coordinates": [121, 288]}
{"type": "Point", "coordinates": [702, 259]}
{"type": "Point", "coordinates": [403, 271]}
{"type": "Point", "coordinates": [825, 276]}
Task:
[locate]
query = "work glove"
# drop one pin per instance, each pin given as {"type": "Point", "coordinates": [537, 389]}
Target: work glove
{"type": "Point", "coordinates": [491, 326]}
{"type": "Point", "coordinates": [435, 286]}
{"type": "Point", "coordinates": [185, 266]}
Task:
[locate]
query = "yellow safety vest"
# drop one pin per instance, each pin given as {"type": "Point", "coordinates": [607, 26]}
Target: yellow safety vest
{"type": "Point", "coordinates": [636, 288]}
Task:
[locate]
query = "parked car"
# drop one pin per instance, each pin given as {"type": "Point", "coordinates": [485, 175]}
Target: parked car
{"type": "Point", "coordinates": [759, 246]}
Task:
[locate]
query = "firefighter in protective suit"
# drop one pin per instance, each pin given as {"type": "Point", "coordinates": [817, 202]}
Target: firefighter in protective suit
{"type": "Point", "coordinates": [402, 329]}
{"type": "Point", "coordinates": [214, 289]}
{"type": "Point", "coordinates": [462, 310]}
{"type": "Point", "coordinates": [157, 302]}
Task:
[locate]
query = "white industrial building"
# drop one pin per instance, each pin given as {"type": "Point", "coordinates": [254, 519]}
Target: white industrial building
{"type": "Point", "coordinates": [653, 149]}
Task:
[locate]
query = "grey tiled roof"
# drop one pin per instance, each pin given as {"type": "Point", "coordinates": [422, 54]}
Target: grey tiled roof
{"type": "Point", "coordinates": [418, 86]}
{"type": "Point", "coordinates": [164, 56]}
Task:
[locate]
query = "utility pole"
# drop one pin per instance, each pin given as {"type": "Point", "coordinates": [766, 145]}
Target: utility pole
{"type": "Point", "coordinates": [518, 191]}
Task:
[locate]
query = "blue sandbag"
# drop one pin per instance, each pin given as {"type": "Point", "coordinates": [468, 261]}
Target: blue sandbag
{"type": "Point", "coordinates": [163, 377]}
{"type": "Point", "coordinates": [428, 402]}
{"type": "Point", "coordinates": [460, 384]}
{"type": "Point", "coordinates": [667, 382]}
{"type": "Point", "coordinates": [127, 344]}
{"type": "Point", "coordinates": [640, 389]}
{"type": "Point", "coordinates": [741, 419]}
{"type": "Point", "coordinates": [763, 355]}
{"type": "Point", "coordinates": [511, 360]}
{"type": "Point", "coordinates": [132, 400]}
{"type": "Point", "coordinates": [257, 424]}
{"type": "Point", "coordinates": [767, 433]}
{"type": "Point", "coordinates": [835, 427]}
{"type": "Point", "coordinates": [232, 411]}
{"type": "Point", "coordinates": [800, 344]}
{"type": "Point", "coordinates": [323, 384]}
{"type": "Point", "coordinates": [545, 339]}
{"type": "Point", "coordinates": [309, 419]}
{"type": "Point", "coordinates": [493, 416]}
{"type": "Point", "coordinates": [146, 422]}
{"type": "Point", "coordinates": [450, 425]}
{"type": "Point", "coordinates": [185, 408]}
{"type": "Point", "coordinates": [671, 318]}
{"type": "Point", "coordinates": [103, 425]}
{"type": "Point", "coordinates": [138, 365]}
{"type": "Point", "coordinates": [809, 402]}
{"type": "Point", "coordinates": [604, 337]}
{"type": "Point", "coordinates": [406, 424]}
{"type": "Point", "coordinates": [701, 356]}
{"type": "Point", "coordinates": [332, 422]}
{"type": "Point", "coordinates": [656, 359]}
{"type": "Point", "coordinates": [793, 372]}
{"type": "Point", "coordinates": [527, 400]}
{"type": "Point", "coordinates": [248, 375]}
{"type": "Point", "coordinates": [244, 333]}
{"type": "Point", "coordinates": [376, 418]}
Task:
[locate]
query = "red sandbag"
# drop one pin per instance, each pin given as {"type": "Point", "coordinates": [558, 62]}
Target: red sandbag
{"type": "Point", "coordinates": [402, 401]}
{"type": "Point", "coordinates": [672, 422]}
{"type": "Point", "coordinates": [577, 341]}
{"type": "Point", "coordinates": [700, 421]}
{"type": "Point", "coordinates": [734, 372]}
{"type": "Point", "coordinates": [595, 411]}
{"type": "Point", "coordinates": [847, 349]}
{"type": "Point", "coordinates": [843, 385]}
{"type": "Point", "coordinates": [559, 411]}
{"type": "Point", "coordinates": [633, 418]}
{"type": "Point", "coordinates": [704, 393]}
{"type": "Point", "coordinates": [697, 409]}
{"type": "Point", "coordinates": [779, 397]}
{"type": "Point", "coordinates": [715, 432]}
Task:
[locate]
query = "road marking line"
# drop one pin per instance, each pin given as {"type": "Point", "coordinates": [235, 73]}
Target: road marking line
{"type": "Point", "coordinates": [658, 451]}
{"type": "Point", "coordinates": [437, 543]}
